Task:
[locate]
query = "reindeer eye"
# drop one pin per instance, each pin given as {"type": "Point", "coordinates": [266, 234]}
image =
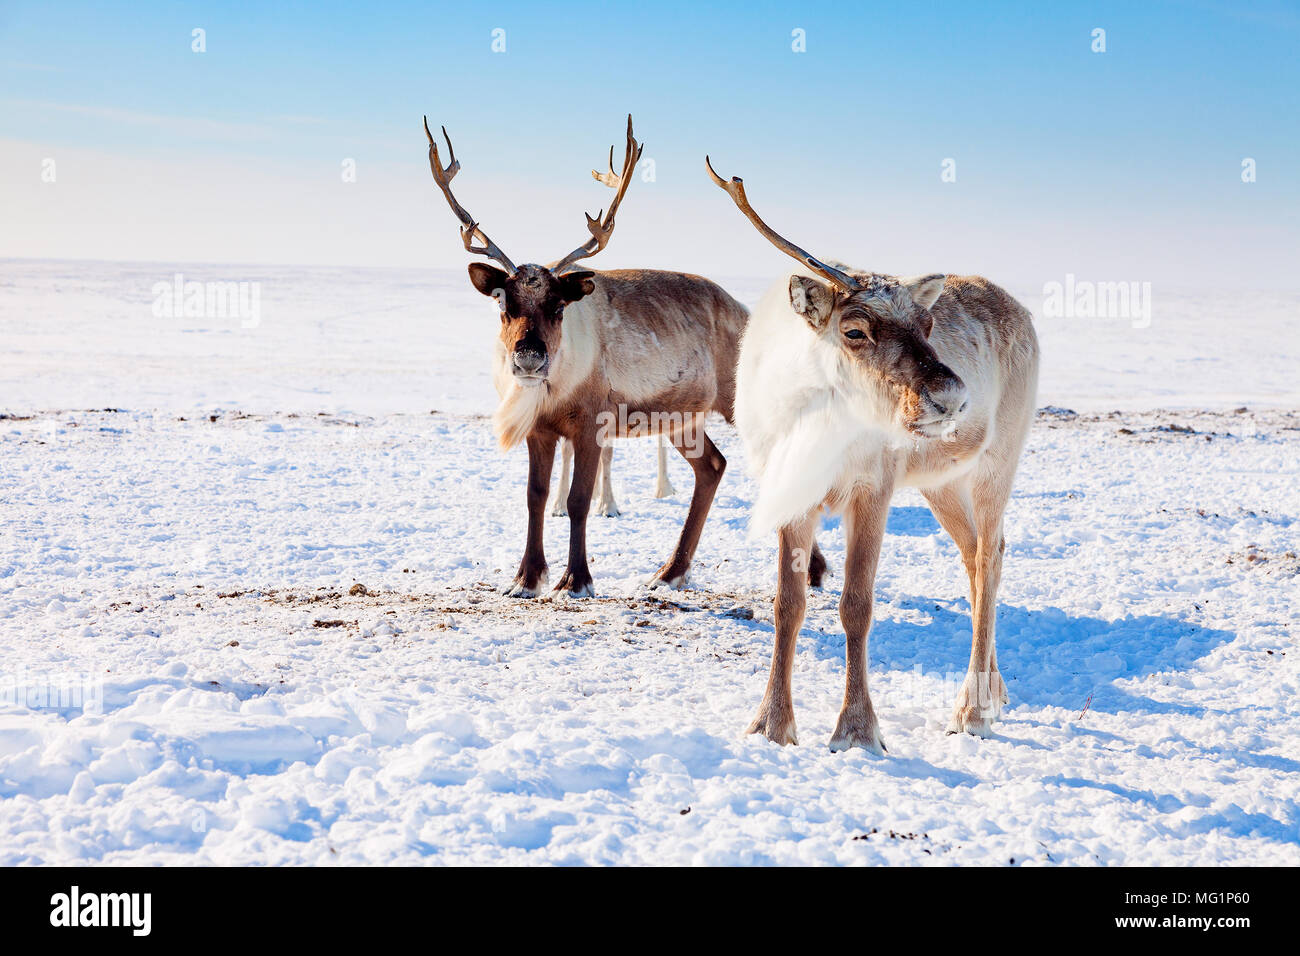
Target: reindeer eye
{"type": "Point", "coordinates": [855, 334]}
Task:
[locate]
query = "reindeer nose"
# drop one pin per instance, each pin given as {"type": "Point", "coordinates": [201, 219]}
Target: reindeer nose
{"type": "Point", "coordinates": [951, 400]}
{"type": "Point", "coordinates": [529, 360]}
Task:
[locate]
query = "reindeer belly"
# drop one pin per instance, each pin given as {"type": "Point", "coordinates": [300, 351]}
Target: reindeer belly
{"type": "Point", "coordinates": [661, 392]}
{"type": "Point", "coordinates": [666, 411]}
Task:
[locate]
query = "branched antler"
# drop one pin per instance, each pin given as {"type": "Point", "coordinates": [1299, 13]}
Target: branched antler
{"type": "Point", "coordinates": [602, 226]}
{"type": "Point", "coordinates": [443, 175]}
{"type": "Point", "coordinates": [735, 188]}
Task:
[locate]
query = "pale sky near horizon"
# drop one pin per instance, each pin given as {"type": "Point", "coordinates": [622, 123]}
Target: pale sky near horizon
{"type": "Point", "coordinates": [1116, 165]}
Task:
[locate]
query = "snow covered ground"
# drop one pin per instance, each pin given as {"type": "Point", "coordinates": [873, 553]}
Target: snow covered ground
{"type": "Point", "coordinates": [249, 608]}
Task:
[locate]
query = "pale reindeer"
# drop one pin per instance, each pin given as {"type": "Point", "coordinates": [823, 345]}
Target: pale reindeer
{"type": "Point", "coordinates": [592, 356]}
{"type": "Point", "coordinates": [850, 385]}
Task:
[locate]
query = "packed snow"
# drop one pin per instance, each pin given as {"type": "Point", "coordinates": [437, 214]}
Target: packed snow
{"type": "Point", "coordinates": [251, 609]}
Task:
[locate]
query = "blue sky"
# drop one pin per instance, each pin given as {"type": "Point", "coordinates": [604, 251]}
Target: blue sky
{"type": "Point", "coordinates": [1066, 159]}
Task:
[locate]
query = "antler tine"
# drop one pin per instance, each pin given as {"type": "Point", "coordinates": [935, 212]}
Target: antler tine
{"type": "Point", "coordinates": [601, 226]}
{"type": "Point", "coordinates": [451, 150]}
{"type": "Point", "coordinates": [443, 175]}
{"type": "Point", "coordinates": [610, 178]}
{"type": "Point", "coordinates": [735, 188]}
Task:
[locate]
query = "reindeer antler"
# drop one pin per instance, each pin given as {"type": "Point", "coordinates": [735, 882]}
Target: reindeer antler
{"type": "Point", "coordinates": [602, 228]}
{"type": "Point", "coordinates": [735, 188]}
{"type": "Point", "coordinates": [443, 175]}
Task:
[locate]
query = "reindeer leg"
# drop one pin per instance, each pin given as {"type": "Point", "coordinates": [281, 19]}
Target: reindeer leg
{"type": "Point", "coordinates": [558, 500]}
{"type": "Point", "coordinates": [586, 458]}
{"type": "Point", "coordinates": [865, 524]}
{"type": "Point", "coordinates": [975, 522]}
{"type": "Point", "coordinates": [532, 569]}
{"type": "Point", "coordinates": [816, 566]}
{"type": "Point", "coordinates": [775, 719]}
{"type": "Point", "coordinates": [663, 487]}
{"type": "Point", "coordinates": [708, 464]}
{"type": "Point", "coordinates": [606, 505]}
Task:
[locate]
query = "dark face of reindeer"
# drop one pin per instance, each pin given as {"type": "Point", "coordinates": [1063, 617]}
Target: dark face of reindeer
{"type": "Point", "coordinates": [884, 329]}
{"type": "Point", "coordinates": [532, 305]}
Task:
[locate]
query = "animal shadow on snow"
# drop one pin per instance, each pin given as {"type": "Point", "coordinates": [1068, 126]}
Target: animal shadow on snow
{"type": "Point", "coordinates": [1048, 657]}
{"type": "Point", "coordinates": [1054, 659]}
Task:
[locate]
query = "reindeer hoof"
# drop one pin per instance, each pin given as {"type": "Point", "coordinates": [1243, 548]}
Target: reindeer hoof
{"type": "Point", "coordinates": [608, 508]}
{"type": "Point", "coordinates": [970, 723]}
{"type": "Point", "coordinates": [675, 583]}
{"type": "Point", "coordinates": [665, 490]}
{"type": "Point", "coordinates": [776, 724]}
{"type": "Point", "coordinates": [559, 511]}
{"type": "Point", "coordinates": [670, 577]}
{"type": "Point", "coordinates": [520, 588]}
{"type": "Point", "coordinates": [969, 720]}
{"type": "Point", "coordinates": [979, 704]}
{"type": "Point", "coordinates": [574, 587]}
{"type": "Point", "coordinates": [858, 730]}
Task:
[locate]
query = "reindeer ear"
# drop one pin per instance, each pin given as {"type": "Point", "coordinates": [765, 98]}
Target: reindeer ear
{"type": "Point", "coordinates": [925, 290]}
{"type": "Point", "coordinates": [576, 285]}
{"type": "Point", "coordinates": [489, 280]}
{"type": "Point", "coordinates": [813, 299]}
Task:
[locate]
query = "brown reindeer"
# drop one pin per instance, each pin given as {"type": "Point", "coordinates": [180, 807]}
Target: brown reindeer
{"type": "Point", "coordinates": [852, 384]}
{"type": "Point", "coordinates": [593, 356]}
